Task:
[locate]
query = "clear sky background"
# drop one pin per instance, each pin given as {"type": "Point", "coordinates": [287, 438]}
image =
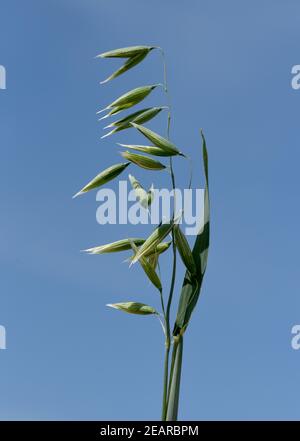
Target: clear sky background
{"type": "Point", "coordinates": [229, 63]}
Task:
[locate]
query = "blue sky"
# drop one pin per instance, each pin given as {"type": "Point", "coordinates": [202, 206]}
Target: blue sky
{"type": "Point", "coordinates": [229, 65]}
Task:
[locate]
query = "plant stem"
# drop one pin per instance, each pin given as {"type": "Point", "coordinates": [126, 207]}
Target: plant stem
{"type": "Point", "coordinates": [175, 375]}
{"type": "Point", "coordinates": [168, 310]}
{"type": "Point", "coordinates": [165, 386]}
{"type": "Point", "coordinates": [168, 334]}
{"type": "Point", "coordinates": [166, 362]}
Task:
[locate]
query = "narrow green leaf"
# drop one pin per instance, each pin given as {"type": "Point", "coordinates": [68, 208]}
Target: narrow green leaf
{"type": "Point", "coordinates": [103, 177]}
{"type": "Point", "coordinates": [143, 161]}
{"type": "Point", "coordinates": [192, 285]}
{"type": "Point", "coordinates": [184, 250]}
{"type": "Point", "coordinates": [133, 308]}
{"type": "Point", "coordinates": [158, 140]}
{"type": "Point", "coordinates": [200, 250]}
{"type": "Point", "coordinates": [125, 52]}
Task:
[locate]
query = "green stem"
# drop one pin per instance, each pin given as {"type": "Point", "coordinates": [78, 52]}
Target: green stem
{"type": "Point", "coordinates": [168, 332]}
{"type": "Point", "coordinates": [175, 376]}
{"type": "Point", "coordinates": [162, 303]}
{"type": "Point", "coordinates": [171, 370]}
{"type": "Point", "coordinates": [166, 362]}
{"type": "Point", "coordinates": [168, 310]}
{"type": "Point", "coordinates": [165, 387]}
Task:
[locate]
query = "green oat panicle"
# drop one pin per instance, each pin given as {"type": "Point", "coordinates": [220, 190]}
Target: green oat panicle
{"type": "Point", "coordinates": [103, 177]}
{"type": "Point", "coordinates": [148, 269]}
{"type": "Point", "coordinates": [140, 116]}
{"type": "Point", "coordinates": [129, 64]}
{"type": "Point", "coordinates": [128, 99]}
{"type": "Point", "coordinates": [160, 249]}
{"type": "Point", "coordinates": [115, 247]}
{"type": "Point", "coordinates": [147, 251]}
{"type": "Point", "coordinates": [133, 308]}
{"type": "Point", "coordinates": [134, 96]}
{"type": "Point", "coordinates": [144, 197]}
{"type": "Point", "coordinates": [126, 52]}
{"type": "Point", "coordinates": [153, 260]}
{"type": "Point", "coordinates": [126, 120]}
{"type": "Point", "coordinates": [149, 149]}
{"type": "Point", "coordinates": [153, 240]}
{"type": "Point", "coordinates": [143, 161]}
{"type": "Point", "coordinates": [158, 140]}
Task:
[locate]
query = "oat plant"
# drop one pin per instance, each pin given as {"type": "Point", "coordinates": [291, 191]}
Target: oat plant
{"type": "Point", "coordinates": [156, 154]}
